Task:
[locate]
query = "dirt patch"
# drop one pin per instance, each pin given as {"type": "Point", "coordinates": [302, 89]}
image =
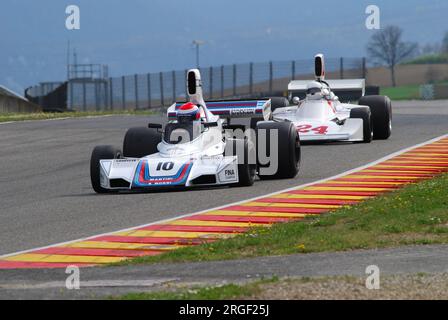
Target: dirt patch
{"type": "Point", "coordinates": [415, 287]}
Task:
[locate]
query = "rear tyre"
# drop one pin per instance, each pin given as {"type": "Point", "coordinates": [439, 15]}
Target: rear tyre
{"type": "Point", "coordinates": [140, 142]}
{"type": "Point", "coordinates": [381, 108]}
{"type": "Point", "coordinates": [247, 166]}
{"type": "Point", "coordinates": [101, 153]}
{"type": "Point", "coordinates": [289, 153]}
{"type": "Point", "coordinates": [364, 114]}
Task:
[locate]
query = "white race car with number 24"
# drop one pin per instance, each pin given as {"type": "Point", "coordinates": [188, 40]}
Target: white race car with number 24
{"type": "Point", "coordinates": [321, 116]}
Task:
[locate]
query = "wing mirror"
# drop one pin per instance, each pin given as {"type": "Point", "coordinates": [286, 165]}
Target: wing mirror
{"type": "Point", "coordinates": [210, 124]}
{"type": "Point", "coordinates": [296, 100]}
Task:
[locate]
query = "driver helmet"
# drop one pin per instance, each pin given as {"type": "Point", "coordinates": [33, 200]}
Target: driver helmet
{"type": "Point", "coordinates": [188, 112]}
{"type": "Point", "coordinates": [314, 91]}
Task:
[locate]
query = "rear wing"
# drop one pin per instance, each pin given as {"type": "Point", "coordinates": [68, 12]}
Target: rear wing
{"type": "Point", "coordinates": [346, 90]}
{"type": "Point", "coordinates": [232, 109]}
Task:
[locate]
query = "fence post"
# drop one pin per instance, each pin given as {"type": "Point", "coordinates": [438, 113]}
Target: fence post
{"type": "Point", "coordinates": [234, 80]}
{"type": "Point", "coordinates": [293, 70]}
{"type": "Point", "coordinates": [162, 102]}
{"type": "Point", "coordinates": [111, 93]}
{"type": "Point", "coordinates": [105, 87]}
{"type": "Point", "coordinates": [364, 69]}
{"type": "Point", "coordinates": [84, 99]}
{"type": "Point", "coordinates": [95, 86]}
{"type": "Point", "coordinates": [222, 81]}
{"type": "Point", "coordinates": [174, 86]}
{"type": "Point", "coordinates": [341, 67]}
{"type": "Point", "coordinates": [271, 75]}
{"type": "Point", "coordinates": [251, 78]}
{"type": "Point", "coordinates": [136, 91]}
{"type": "Point", "coordinates": [123, 92]}
{"type": "Point", "coordinates": [148, 80]}
{"type": "Point", "coordinates": [211, 83]}
{"type": "Point", "coordinates": [70, 82]}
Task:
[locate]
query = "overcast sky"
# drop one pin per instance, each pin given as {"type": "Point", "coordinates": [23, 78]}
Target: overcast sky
{"type": "Point", "coordinates": [139, 36]}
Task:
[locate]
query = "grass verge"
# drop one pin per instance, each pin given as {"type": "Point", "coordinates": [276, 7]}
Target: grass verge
{"type": "Point", "coordinates": [416, 214]}
{"type": "Point", "coordinates": [8, 117]}
{"type": "Point", "coordinates": [223, 292]}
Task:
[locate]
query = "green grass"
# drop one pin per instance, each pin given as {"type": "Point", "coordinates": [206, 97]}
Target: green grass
{"type": "Point", "coordinates": [224, 292]}
{"type": "Point", "coordinates": [409, 92]}
{"type": "Point", "coordinates": [429, 59]}
{"type": "Point", "coordinates": [417, 214]}
{"type": "Point", "coordinates": [7, 117]}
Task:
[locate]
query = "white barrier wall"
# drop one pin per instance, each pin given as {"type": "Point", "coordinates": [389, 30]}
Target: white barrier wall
{"type": "Point", "coordinates": [10, 104]}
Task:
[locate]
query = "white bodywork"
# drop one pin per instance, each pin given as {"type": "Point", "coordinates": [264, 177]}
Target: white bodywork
{"type": "Point", "coordinates": [176, 165]}
{"type": "Point", "coordinates": [184, 164]}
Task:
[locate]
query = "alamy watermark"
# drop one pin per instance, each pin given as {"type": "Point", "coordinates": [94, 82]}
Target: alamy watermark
{"type": "Point", "coordinates": [373, 278]}
{"type": "Point", "coordinates": [73, 20]}
{"type": "Point", "coordinates": [373, 20]}
{"type": "Point", "coordinates": [73, 281]}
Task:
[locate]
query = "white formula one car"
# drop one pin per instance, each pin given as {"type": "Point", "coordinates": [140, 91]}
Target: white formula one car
{"type": "Point", "coordinates": [197, 147]}
{"type": "Point", "coordinates": [321, 116]}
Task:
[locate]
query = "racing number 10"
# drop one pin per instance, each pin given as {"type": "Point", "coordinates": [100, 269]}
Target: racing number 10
{"type": "Point", "coordinates": [307, 128]}
{"type": "Point", "coordinates": [165, 166]}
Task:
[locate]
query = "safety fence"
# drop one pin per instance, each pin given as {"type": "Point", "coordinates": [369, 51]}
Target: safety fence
{"type": "Point", "coordinates": [155, 90]}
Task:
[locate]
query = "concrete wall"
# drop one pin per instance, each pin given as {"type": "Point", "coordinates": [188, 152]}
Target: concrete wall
{"type": "Point", "coordinates": [16, 105]}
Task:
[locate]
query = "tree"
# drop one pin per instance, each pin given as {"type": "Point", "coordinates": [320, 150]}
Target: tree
{"type": "Point", "coordinates": [386, 46]}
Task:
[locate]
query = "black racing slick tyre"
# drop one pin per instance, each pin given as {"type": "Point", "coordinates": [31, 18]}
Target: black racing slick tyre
{"type": "Point", "coordinates": [140, 142]}
{"type": "Point", "coordinates": [101, 153]}
{"type": "Point", "coordinates": [289, 153]}
{"type": "Point", "coordinates": [364, 114]}
{"type": "Point", "coordinates": [381, 109]}
{"type": "Point", "coordinates": [254, 121]}
{"type": "Point", "coordinates": [245, 152]}
{"type": "Point", "coordinates": [276, 103]}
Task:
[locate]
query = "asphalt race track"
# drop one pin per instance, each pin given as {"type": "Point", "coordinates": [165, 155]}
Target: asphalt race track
{"type": "Point", "coordinates": [45, 189]}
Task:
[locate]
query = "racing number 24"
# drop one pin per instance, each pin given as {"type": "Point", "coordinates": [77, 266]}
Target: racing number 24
{"type": "Point", "coordinates": [307, 128]}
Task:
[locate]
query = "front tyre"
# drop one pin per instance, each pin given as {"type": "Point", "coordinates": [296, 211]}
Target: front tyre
{"type": "Point", "coordinates": [381, 108]}
{"type": "Point", "coordinates": [101, 153]}
{"type": "Point", "coordinates": [245, 153]}
{"type": "Point", "coordinates": [278, 103]}
{"type": "Point", "coordinates": [364, 113]}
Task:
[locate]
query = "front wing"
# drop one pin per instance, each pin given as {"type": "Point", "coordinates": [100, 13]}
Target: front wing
{"type": "Point", "coordinates": [351, 130]}
{"type": "Point", "coordinates": [154, 172]}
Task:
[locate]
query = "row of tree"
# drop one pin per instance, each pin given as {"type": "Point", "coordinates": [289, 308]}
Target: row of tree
{"type": "Point", "coordinates": [387, 47]}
